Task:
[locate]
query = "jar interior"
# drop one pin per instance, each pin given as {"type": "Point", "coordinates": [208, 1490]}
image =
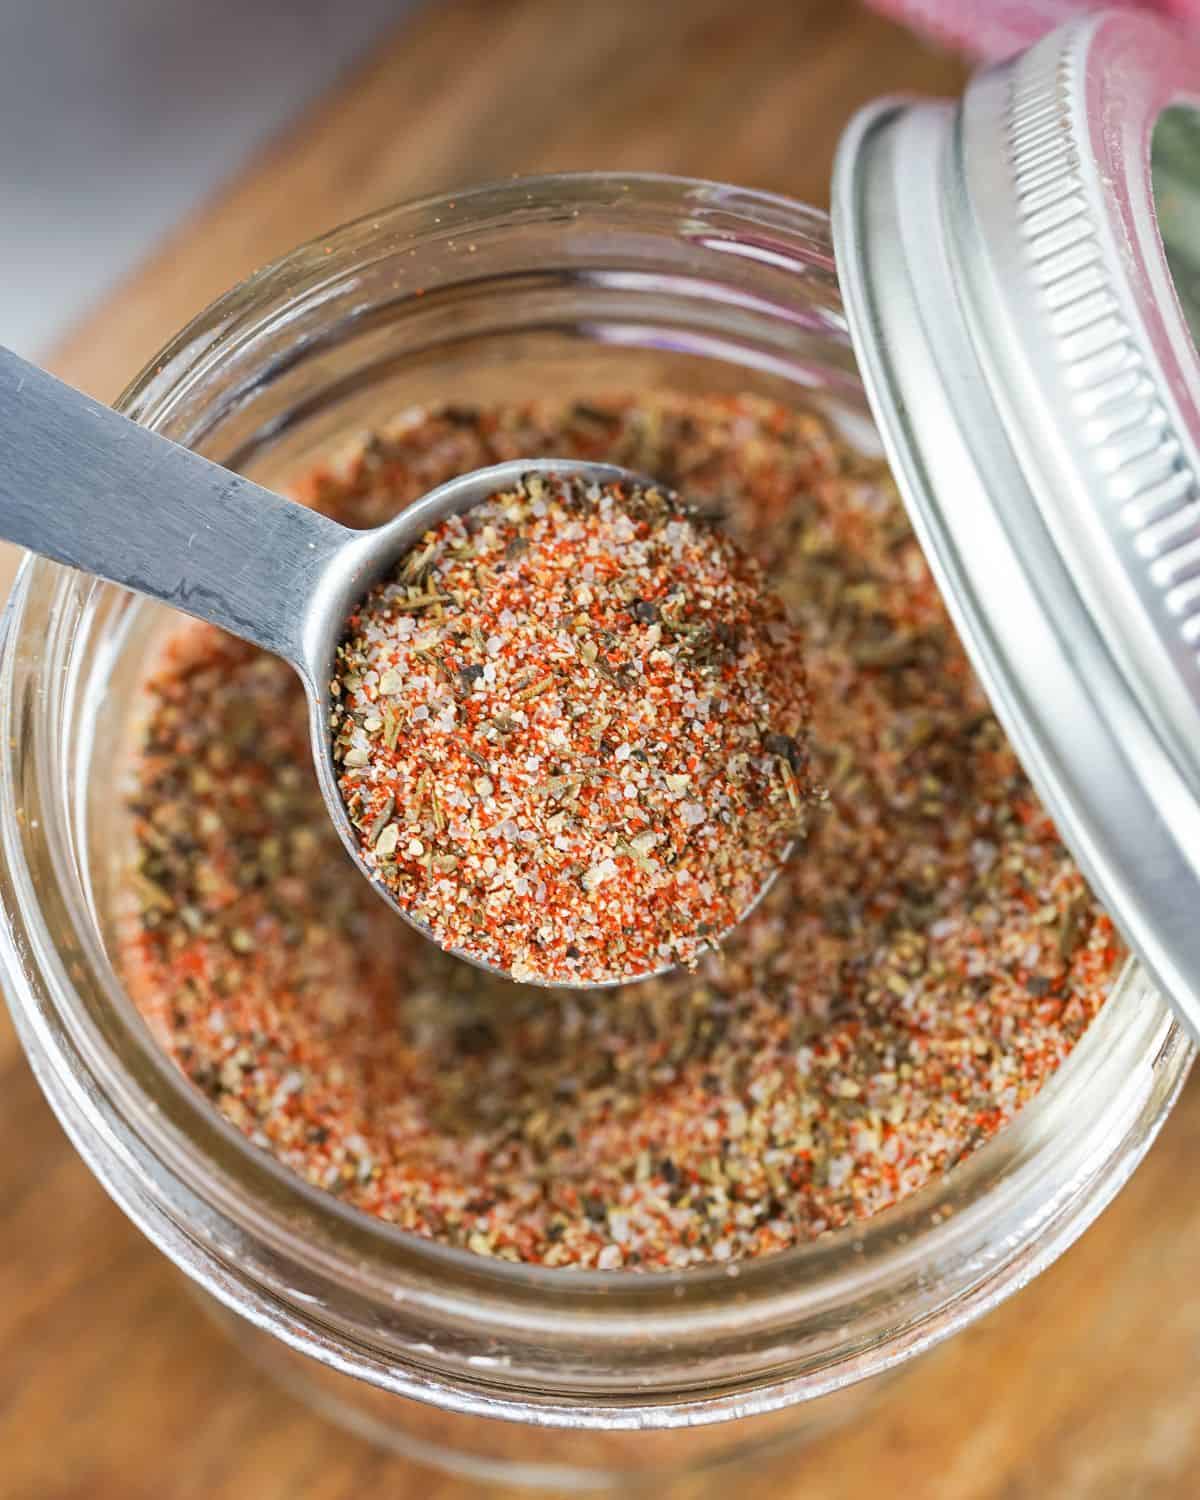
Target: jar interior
{"type": "Point", "coordinates": [498, 340]}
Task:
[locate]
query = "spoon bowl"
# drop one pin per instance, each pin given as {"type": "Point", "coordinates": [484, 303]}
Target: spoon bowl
{"type": "Point", "coordinates": [87, 487]}
{"type": "Point", "coordinates": [350, 571]}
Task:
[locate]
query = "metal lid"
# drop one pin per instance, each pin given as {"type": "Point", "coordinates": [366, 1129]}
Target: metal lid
{"type": "Point", "coordinates": [1036, 383]}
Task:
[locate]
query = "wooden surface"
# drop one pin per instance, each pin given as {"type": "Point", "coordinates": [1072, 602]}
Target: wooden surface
{"type": "Point", "coordinates": [113, 1385]}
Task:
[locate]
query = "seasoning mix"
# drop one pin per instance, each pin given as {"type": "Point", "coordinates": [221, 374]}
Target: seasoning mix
{"type": "Point", "coordinates": [906, 985]}
{"type": "Point", "coordinates": [570, 731]}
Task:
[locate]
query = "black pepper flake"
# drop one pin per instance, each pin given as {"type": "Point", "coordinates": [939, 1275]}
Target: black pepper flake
{"type": "Point", "coordinates": [788, 748]}
{"type": "Point", "coordinates": [475, 1038]}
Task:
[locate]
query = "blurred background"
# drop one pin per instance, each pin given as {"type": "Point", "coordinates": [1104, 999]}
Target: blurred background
{"type": "Point", "coordinates": [153, 152]}
{"type": "Point", "coordinates": [120, 115]}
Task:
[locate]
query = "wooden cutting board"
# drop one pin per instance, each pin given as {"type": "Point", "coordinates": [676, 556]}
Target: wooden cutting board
{"type": "Point", "coordinates": [113, 1385]}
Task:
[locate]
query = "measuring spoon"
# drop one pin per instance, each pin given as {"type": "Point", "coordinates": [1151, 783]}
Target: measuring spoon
{"type": "Point", "coordinates": [85, 486]}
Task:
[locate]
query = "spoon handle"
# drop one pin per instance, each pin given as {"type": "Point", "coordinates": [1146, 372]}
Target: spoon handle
{"type": "Point", "coordinates": [85, 486]}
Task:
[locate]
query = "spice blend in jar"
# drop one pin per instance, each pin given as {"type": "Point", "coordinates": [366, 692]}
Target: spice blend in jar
{"type": "Point", "coordinates": [570, 731]}
{"type": "Point", "coordinates": [903, 989]}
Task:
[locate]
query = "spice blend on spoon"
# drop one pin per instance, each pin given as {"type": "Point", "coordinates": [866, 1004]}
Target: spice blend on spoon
{"type": "Point", "coordinates": [571, 731]}
{"type": "Point", "coordinates": [902, 990]}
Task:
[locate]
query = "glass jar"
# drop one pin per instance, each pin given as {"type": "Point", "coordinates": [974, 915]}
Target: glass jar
{"type": "Point", "coordinates": [576, 284]}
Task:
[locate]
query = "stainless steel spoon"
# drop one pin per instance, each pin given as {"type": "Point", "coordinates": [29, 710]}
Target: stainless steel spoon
{"type": "Point", "coordinates": [87, 487]}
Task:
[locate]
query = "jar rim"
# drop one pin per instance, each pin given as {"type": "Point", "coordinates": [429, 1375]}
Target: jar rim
{"type": "Point", "coordinates": [774, 1295]}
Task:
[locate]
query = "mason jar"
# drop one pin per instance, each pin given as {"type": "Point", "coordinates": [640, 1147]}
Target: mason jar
{"type": "Point", "coordinates": [578, 284]}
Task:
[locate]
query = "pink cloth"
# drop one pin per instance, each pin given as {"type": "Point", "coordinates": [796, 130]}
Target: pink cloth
{"type": "Point", "coordinates": [991, 29]}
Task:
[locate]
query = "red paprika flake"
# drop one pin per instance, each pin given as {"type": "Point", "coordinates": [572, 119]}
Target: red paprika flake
{"type": "Point", "coordinates": [571, 731]}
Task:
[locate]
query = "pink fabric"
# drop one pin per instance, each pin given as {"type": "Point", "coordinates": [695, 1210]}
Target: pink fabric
{"type": "Point", "coordinates": [991, 29]}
